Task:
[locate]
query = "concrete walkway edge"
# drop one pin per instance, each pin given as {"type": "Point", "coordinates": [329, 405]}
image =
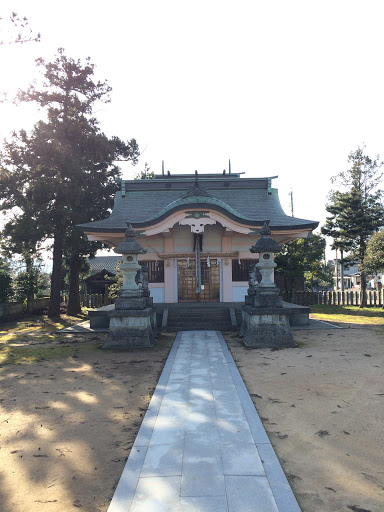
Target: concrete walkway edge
{"type": "Point", "coordinates": [126, 487]}
{"type": "Point", "coordinates": [281, 490]}
{"type": "Point", "coordinates": [125, 490]}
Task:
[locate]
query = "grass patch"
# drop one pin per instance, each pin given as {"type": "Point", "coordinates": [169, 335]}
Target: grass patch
{"type": "Point", "coordinates": [27, 355]}
{"type": "Point", "coordinates": [38, 328]}
{"type": "Point", "coordinates": [164, 340]}
{"type": "Point", "coordinates": [348, 314]}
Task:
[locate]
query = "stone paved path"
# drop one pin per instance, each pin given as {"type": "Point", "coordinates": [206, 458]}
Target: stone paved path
{"type": "Point", "coordinates": [201, 446]}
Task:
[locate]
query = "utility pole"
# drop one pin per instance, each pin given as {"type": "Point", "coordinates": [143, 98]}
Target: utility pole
{"type": "Point", "coordinates": [291, 196]}
{"type": "Point", "coordinates": [337, 272]}
{"type": "Point", "coordinates": [342, 275]}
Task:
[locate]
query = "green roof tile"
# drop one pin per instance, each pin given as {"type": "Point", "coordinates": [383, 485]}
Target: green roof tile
{"type": "Point", "coordinates": [242, 199]}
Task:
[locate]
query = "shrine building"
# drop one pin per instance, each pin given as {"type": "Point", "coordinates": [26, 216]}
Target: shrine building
{"type": "Point", "coordinates": [197, 229]}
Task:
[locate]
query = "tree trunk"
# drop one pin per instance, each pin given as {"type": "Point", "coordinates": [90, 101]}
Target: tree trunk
{"type": "Point", "coordinates": [74, 307]}
{"type": "Point", "coordinates": [363, 288]}
{"type": "Point", "coordinates": [337, 272]}
{"type": "Point", "coordinates": [363, 276]}
{"type": "Point", "coordinates": [30, 273]}
{"type": "Point", "coordinates": [54, 302]}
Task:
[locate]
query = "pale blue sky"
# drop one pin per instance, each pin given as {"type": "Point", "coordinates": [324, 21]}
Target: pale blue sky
{"type": "Point", "coordinates": [284, 88]}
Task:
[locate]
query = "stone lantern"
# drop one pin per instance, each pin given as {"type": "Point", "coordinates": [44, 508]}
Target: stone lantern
{"type": "Point", "coordinates": [130, 250]}
{"type": "Point", "coordinates": [265, 292]}
{"type": "Point", "coordinates": [133, 321]}
{"type": "Point", "coordinates": [265, 323]}
{"type": "Point", "coordinates": [266, 247]}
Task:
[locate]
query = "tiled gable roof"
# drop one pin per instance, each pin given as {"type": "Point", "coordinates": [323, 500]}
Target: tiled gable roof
{"type": "Point", "coordinates": [250, 201]}
{"type": "Point", "coordinates": [104, 263]}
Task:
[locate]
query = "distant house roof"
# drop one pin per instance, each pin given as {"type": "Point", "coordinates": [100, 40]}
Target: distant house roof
{"type": "Point", "coordinates": [249, 201]}
{"type": "Point", "coordinates": [100, 263]}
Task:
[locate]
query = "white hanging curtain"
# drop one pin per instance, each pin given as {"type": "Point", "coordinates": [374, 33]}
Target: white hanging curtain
{"type": "Point", "coordinates": [197, 263]}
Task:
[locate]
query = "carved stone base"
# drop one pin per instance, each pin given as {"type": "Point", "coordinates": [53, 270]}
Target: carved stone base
{"type": "Point", "coordinates": [127, 304]}
{"type": "Point", "coordinates": [267, 297]}
{"type": "Point", "coordinates": [266, 327]}
{"type": "Point", "coordinates": [133, 299]}
{"type": "Point", "coordinates": [131, 328]}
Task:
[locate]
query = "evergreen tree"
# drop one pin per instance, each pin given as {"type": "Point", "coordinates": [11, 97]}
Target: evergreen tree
{"type": "Point", "coordinates": [6, 289]}
{"type": "Point", "coordinates": [333, 230]}
{"type": "Point", "coordinates": [145, 174]}
{"type": "Point", "coordinates": [358, 212]}
{"type": "Point", "coordinates": [302, 258]}
{"type": "Point", "coordinates": [374, 254]}
{"type": "Point", "coordinates": [66, 167]}
{"type": "Point", "coordinates": [21, 235]}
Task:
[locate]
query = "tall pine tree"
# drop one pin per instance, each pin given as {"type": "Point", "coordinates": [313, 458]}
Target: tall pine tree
{"type": "Point", "coordinates": [357, 212]}
{"type": "Point", "coordinates": [66, 167]}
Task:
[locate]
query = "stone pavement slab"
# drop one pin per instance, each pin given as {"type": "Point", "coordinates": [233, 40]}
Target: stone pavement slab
{"type": "Point", "coordinates": [201, 446]}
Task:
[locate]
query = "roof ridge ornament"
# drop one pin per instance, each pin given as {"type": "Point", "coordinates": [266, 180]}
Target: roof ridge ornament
{"type": "Point", "coordinates": [197, 189]}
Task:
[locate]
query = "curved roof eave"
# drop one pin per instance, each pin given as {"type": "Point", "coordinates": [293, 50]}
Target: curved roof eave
{"type": "Point", "coordinates": [198, 202]}
{"type": "Point", "coordinates": [194, 200]}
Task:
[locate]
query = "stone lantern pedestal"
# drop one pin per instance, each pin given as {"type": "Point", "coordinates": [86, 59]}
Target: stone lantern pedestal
{"type": "Point", "coordinates": [264, 323]}
{"type": "Point", "coordinates": [133, 322]}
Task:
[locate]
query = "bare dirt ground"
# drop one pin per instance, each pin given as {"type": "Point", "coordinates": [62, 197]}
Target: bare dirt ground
{"type": "Point", "coordinates": [67, 425]}
{"type": "Point", "coordinates": [322, 405]}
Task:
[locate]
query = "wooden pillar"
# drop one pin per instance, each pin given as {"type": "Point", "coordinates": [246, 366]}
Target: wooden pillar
{"type": "Point", "coordinates": [226, 269]}
{"type": "Point", "coordinates": [169, 272]}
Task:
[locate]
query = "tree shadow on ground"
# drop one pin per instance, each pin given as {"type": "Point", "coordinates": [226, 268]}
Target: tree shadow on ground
{"type": "Point", "coordinates": [68, 424]}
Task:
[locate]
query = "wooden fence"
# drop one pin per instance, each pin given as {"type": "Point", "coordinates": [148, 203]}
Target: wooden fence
{"type": "Point", "coordinates": [15, 310]}
{"type": "Point", "coordinates": [11, 311]}
{"type": "Point", "coordinates": [347, 298]}
{"type": "Point", "coordinates": [38, 305]}
{"type": "Point", "coordinates": [91, 300]}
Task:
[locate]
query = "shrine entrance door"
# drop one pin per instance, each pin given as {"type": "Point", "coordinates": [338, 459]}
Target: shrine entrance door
{"type": "Point", "coordinates": [186, 281]}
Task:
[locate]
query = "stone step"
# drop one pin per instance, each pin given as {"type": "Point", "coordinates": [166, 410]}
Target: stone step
{"type": "Point", "coordinates": [204, 317]}
{"type": "Point", "coordinates": [197, 313]}
{"type": "Point", "coordinates": [199, 327]}
{"type": "Point", "coordinates": [188, 320]}
{"type": "Point", "coordinates": [198, 318]}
